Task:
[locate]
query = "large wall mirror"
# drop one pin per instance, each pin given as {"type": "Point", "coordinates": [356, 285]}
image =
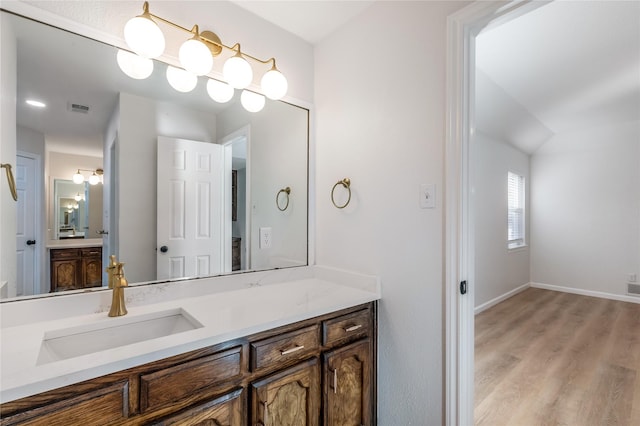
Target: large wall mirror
{"type": "Point", "coordinates": [187, 185]}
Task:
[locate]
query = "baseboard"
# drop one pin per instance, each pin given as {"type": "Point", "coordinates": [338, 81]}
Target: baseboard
{"type": "Point", "coordinates": [600, 294]}
{"type": "Point", "coordinates": [500, 298]}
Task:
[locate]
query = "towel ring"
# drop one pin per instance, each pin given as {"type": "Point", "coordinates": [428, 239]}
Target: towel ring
{"type": "Point", "coordinates": [12, 181]}
{"type": "Point", "coordinates": [346, 182]}
{"type": "Point", "coordinates": [287, 191]}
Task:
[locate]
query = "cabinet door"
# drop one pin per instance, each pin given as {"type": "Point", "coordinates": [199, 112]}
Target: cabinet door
{"type": "Point", "coordinates": [347, 385]}
{"type": "Point", "coordinates": [227, 410]}
{"type": "Point", "coordinates": [65, 274]}
{"type": "Point", "coordinates": [92, 271]}
{"type": "Point", "coordinates": [288, 398]}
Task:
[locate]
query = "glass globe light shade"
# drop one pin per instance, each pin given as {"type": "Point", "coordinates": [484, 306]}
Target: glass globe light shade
{"type": "Point", "coordinates": [135, 66]}
{"type": "Point", "coordinates": [77, 197]}
{"type": "Point", "coordinates": [78, 178]}
{"type": "Point", "coordinates": [181, 80]}
{"type": "Point", "coordinates": [94, 179]}
{"type": "Point", "coordinates": [219, 91]}
{"type": "Point", "coordinates": [76, 206]}
{"type": "Point", "coordinates": [274, 84]}
{"type": "Point", "coordinates": [237, 72]}
{"type": "Point", "coordinates": [144, 37]}
{"type": "Point", "coordinates": [195, 57]}
{"type": "Point", "coordinates": [251, 101]}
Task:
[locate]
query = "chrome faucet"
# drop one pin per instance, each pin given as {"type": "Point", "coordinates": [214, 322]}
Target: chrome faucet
{"type": "Point", "coordinates": [117, 282]}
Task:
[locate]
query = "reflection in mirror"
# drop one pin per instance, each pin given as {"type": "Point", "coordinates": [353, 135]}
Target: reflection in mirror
{"type": "Point", "coordinates": [78, 209]}
{"type": "Point", "coordinates": [161, 223]}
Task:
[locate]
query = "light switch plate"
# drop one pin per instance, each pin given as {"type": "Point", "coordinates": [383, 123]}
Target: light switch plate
{"type": "Point", "coordinates": [427, 196]}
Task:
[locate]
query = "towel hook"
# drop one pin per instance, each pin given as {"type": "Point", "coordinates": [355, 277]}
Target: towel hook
{"type": "Point", "coordinates": [346, 182]}
{"type": "Point", "coordinates": [287, 191]}
{"type": "Point", "coordinates": [12, 181]}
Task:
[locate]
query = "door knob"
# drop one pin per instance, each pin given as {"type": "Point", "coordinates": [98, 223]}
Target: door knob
{"type": "Point", "coordinates": [164, 249]}
{"type": "Point", "coordinates": [31, 242]}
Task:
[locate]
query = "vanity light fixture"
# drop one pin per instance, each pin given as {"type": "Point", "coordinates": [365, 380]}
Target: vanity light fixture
{"type": "Point", "coordinates": [145, 38]}
{"type": "Point", "coordinates": [78, 197]}
{"type": "Point", "coordinates": [94, 179]}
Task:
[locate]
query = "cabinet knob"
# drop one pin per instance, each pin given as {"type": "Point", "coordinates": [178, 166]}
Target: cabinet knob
{"type": "Point", "coordinates": [164, 249]}
{"type": "Point", "coordinates": [31, 242]}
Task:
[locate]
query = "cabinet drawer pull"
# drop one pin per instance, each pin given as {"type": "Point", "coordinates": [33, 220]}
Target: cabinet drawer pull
{"type": "Point", "coordinates": [292, 350]}
{"type": "Point", "coordinates": [353, 328]}
{"type": "Point", "coordinates": [266, 415]}
{"type": "Point", "coordinates": [94, 252]}
{"type": "Point", "coordinates": [335, 380]}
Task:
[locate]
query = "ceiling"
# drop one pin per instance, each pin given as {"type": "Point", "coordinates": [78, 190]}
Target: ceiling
{"type": "Point", "coordinates": [564, 66]}
{"type": "Point", "coordinates": [311, 20]}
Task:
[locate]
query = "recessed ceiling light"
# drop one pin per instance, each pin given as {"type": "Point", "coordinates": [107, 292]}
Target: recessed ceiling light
{"type": "Point", "coordinates": [35, 103]}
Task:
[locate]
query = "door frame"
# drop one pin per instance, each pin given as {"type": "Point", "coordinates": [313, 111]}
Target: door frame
{"type": "Point", "coordinates": [227, 141]}
{"type": "Point", "coordinates": [39, 285]}
{"type": "Point", "coordinates": [462, 28]}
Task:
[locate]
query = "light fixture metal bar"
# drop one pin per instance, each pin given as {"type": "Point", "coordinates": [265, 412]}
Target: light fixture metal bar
{"type": "Point", "coordinates": [234, 48]}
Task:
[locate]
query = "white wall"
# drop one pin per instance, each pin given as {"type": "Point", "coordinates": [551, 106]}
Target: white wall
{"type": "Point", "coordinates": [271, 149]}
{"type": "Point", "coordinates": [380, 108]}
{"type": "Point", "coordinates": [8, 80]}
{"type": "Point", "coordinates": [498, 270]}
{"type": "Point", "coordinates": [585, 209]}
{"type": "Point", "coordinates": [142, 120]}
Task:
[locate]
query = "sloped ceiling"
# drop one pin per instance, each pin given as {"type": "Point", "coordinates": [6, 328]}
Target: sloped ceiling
{"type": "Point", "coordinates": [565, 65]}
{"type": "Point", "coordinates": [310, 20]}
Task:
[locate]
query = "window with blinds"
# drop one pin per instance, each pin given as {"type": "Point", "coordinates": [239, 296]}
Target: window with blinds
{"type": "Point", "coordinates": [515, 213]}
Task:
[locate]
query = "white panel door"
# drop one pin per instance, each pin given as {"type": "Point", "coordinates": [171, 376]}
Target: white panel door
{"type": "Point", "coordinates": [26, 226]}
{"type": "Point", "coordinates": [190, 208]}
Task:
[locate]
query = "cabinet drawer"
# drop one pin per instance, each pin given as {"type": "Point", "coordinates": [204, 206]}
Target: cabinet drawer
{"type": "Point", "coordinates": [65, 254]}
{"type": "Point", "coordinates": [92, 252]}
{"type": "Point", "coordinates": [354, 325]}
{"type": "Point", "coordinates": [225, 410]}
{"type": "Point", "coordinates": [164, 387]}
{"type": "Point", "coordinates": [282, 349]}
{"type": "Point", "coordinates": [106, 405]}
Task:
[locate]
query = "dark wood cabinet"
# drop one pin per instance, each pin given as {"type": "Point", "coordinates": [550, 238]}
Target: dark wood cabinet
{"type": "Point", "coordinates": [347, 391]}
{"type": "Point", "coordinates": [288, 398]}
{"type": "Point", "coordinates": [76, 268]}
{"type": "Point", "coordinates": [319, 371]}
{"type": "Point", "coordinates": [227, 410]}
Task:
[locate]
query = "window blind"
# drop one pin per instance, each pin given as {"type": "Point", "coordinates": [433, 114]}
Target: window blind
{"type": "Point", "coordinates": [515, 213]}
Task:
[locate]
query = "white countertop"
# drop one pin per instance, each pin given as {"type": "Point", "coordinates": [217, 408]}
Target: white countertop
{"type": "Point", "coordinates": [227, 307]}
{"type": "Point", "coordinates": [74, 243]}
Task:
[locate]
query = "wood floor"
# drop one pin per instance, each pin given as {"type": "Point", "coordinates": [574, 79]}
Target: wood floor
{"type": "Point", "coordinates": [550, 358]}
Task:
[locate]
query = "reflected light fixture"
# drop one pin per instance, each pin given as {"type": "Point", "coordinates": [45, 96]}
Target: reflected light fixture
{"type": "Point", "coordinates": [251, 101]}
{"type": "Point", "coordinates": [133, 65]}
{"type": "Point", "coordinates": [78, 197]}
{"type": "Point", "coordinates": [181, 80]}
{"type": "Point", "coordinates": [197, 53]}
{"type": "Point", "coordinates": [34, 103]}
{"type": "Point", "coordinates": [219, 91]}
{"type": "Point", "coordinates": [94, 179]}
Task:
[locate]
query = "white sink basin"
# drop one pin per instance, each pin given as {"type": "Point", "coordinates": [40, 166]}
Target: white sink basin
{"type": "Point", "coordinates": [113, 333]}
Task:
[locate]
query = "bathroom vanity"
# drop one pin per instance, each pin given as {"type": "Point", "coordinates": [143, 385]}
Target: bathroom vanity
{"type": "Point", "coordinates": [299, 351]}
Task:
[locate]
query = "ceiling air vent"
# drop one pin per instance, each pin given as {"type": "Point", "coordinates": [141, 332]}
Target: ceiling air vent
{"type": "Point", "coordinates": [78, 108]}
{"type": "Point", "coordinates": [633, 289]}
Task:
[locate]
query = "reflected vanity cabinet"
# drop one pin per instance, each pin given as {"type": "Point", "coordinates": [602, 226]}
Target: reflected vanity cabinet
{"type": "Point", "coordinates": [315, 372]}
{"type": "Point", "coordinates": [75, 268]}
